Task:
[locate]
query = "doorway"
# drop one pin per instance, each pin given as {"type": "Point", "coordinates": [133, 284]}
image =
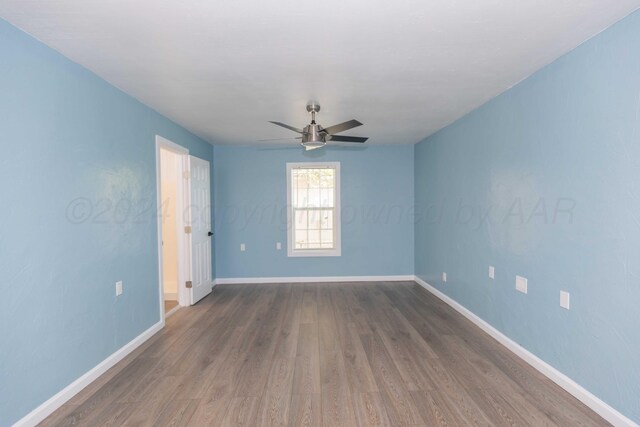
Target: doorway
{"type": "Point", "coordinates": [169, 184]}
{"type": "Point", "coordinates": [184, 227]}
{"type": "Point", "coordinates": [173, 250]}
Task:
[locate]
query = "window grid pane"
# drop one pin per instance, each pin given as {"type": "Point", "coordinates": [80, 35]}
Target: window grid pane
{"type": "Point", "coordinates": [313, 199]}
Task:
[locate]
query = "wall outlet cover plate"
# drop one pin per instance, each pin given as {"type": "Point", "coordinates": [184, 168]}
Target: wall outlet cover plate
{"type": "Point", "coordinates": [565, 299]}
{"type": "Point", "coordinates": [521, 284]}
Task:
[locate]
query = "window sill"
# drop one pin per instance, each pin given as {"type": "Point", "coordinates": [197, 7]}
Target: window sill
{"type": "Point", "coordinates": [315, 253]}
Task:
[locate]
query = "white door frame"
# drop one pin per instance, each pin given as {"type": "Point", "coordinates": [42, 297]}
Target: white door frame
{"type": "Point", "coordinates": [182, 204]}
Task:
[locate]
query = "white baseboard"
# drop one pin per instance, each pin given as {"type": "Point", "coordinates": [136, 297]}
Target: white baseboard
{"type": "Point", "coordinates": [63, 396]}
{"type": "Point", "coordinates": [318, 279]}
{"type": "Point", "coordinates": [173, 310]}
{"type": "Point", "coordinates": [575, 389]}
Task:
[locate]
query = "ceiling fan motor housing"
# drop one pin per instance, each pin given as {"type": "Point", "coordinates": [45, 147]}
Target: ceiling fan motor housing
{"type": "Point", "coordinates": [312, 134]}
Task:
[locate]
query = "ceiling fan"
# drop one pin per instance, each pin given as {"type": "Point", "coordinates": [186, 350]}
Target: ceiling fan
{"type": "Point", "coordinates": [315, 136]}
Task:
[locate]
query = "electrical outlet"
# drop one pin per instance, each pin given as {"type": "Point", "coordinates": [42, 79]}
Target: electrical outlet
{"type": "Point", "coordinates": [242, 247]}
{"type": "Point", "coordinates": [119, 288]}
{"type": "Point", "coordinates": [564, 299]}
{"type": "Point", "coordinates": [521, 284]}
{"type": "Point", "coordinates": [492, 272]}
{"type": "Point", "coordinates": [278, 245]}
{"type": "Point", "coordinates": [444, 276]}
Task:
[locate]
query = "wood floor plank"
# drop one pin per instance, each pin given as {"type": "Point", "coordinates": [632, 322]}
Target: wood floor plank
{"type": "Point", "coordinates": [306, 378]}
{"type": "Point", "coordinates": [177, 412]}
{"type": "Point", "coordinates": [483, 370]}
{"type": "Point", "coordinates": [254, 371]}
{"type": "Point", "coordinates": [109, 393]}
{"type": "Point", "coordinates": [370, 410]}
{"type": "Point", "coordinates": [500, 411]}
{"type": "Point", "coordinates": [153, 403]}
{"type": "Point", "coordinates": [305, 410]}
{"type": "Point", "coordinates": [309, 310]}
{"type": "Point", "coordinates": [327, 327]}
{"type": "Point", "coordinates": [357, 313]}
{"type": "Point", "coordinates": [198, 358]}
{"type": "Point", "coordinates": [400, 406]}
{"type": "Point", "coordinates": [447, 384]}
{"type": "Point", "coordinates": [411, 373]}
{"type": "Point", "coordinates": [274, 405]}
{"type": "Point", "coordinates": [337, 408]}
{"type": "Point", "coordinates": [357, 368]}
{"type": "Point", "coordinates": [287, 338]}
{"type": "Point", "coordinates": [113, 414]}
{"type": "Point", "coordinates": [210, 411]}
{"type": "Point", "coordinates": [242, 411]}
{"type": "Point", "coordinates": [322, 354]}
{"type": "Point", "coordinates": [436, 409]}
{"type": "Point", "coordinates": [221, 382]}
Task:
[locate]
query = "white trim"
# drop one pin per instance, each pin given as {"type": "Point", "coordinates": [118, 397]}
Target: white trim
{"type": "Point", "coordinates": [316, 279]}
{"type": "Point", "coordinates": [47, 408]}
{"type": "Point", "coordinates": [184, 244]}
{"type": "Point", "coordinates": [183, 201]}
{"type": "Point", "coordinates": [337, 217]}
{"type": "Point", "coordinates": [575, 389]}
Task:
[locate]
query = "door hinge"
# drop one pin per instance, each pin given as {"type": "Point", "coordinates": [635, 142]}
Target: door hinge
{"type": "Point", "coordinates": [189, 284]}
{"type": "Point", "coordinates": [186, 174]}
{"type": "Point", "coordinates": [187, 229]}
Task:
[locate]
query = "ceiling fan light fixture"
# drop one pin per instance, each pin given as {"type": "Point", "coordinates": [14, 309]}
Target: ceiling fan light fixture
{"type": "Point", "coordinates": [313, 145]}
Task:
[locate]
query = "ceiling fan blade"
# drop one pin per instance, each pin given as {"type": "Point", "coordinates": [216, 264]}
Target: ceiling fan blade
{"type": "Point", "coordinates": [342, 127]}
{"type": "Point", "coordinates": [344, 138]}
{"type": "Point", "coordinates": [287, 126]}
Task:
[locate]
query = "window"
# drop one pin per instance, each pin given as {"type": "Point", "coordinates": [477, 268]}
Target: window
{"type": "Point", "coordinates": [313, 209]}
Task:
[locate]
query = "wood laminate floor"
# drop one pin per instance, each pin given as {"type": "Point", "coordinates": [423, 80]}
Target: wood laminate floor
{"type": "Point", "coordinates": [169, 304]}
{"type": "Point", "coordinates": [351, 354]}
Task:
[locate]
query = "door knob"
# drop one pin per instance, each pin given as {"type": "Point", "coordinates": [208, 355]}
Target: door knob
{"type": "Point", "coordinates": [209, 234]}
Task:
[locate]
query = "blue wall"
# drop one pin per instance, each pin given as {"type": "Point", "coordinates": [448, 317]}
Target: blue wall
{"type": "Point", "coordinates": [77, 181]}
{"type": "Point", "coordinates": [544, 182]}
{"type": "Point", "coordinates": [377, 222]}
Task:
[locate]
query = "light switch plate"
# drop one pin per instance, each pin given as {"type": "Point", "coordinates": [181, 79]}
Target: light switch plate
{"type": "Point", "coordinates": [444, 276]}
{"type": "Point", "coordinates": [492, 272]}
{"type": "Point", "coordinates": [521, 284]}
{"type": "Point", "coordinates": [242, 247]}
{"type": "Point", "coordinates": [564, 299]}
{"type": "Point", "coordinates": [278, 245]}
{"type": "Point", "coordinates": [119, 288]}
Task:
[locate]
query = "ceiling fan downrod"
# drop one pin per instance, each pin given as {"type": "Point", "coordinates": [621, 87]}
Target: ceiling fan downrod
{"type": "Point", "coordinates": [313, 107]}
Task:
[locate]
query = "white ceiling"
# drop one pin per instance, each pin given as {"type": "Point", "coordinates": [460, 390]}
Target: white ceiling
{"type": "Point", "coordinates": [405, 68]}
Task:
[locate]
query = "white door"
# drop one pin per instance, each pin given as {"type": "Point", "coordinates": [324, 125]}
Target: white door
{"type": "Point", "coordinates": [200, 215]}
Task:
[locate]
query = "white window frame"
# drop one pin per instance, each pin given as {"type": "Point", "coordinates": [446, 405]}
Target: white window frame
{"type": "Point", "coordinates": [337, 249]}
